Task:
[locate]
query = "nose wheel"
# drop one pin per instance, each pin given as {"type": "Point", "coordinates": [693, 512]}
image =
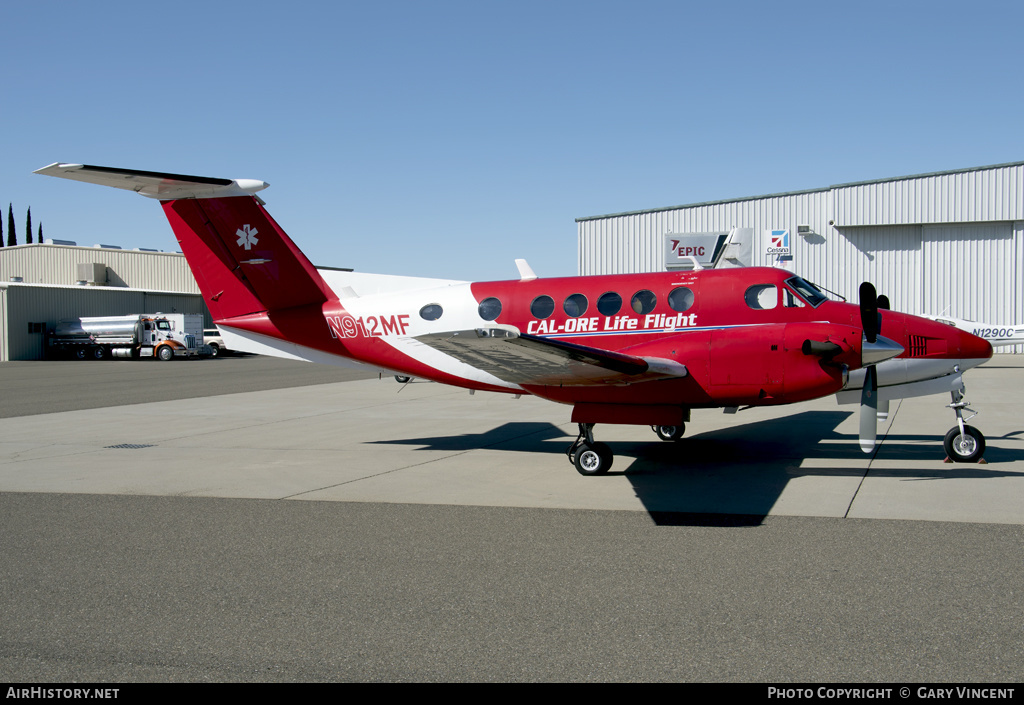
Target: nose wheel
{"type": "Point", "coordinates": [963, 443]}
{"type": "Point", "coordinates": [588, 456]}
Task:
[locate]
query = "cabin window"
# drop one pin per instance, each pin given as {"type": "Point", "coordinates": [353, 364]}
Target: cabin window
{"type": "Point", "coordinates": [791, 300]}
{"type": "Point", "coordinates": [681, 299]}
{"type": "Point", "coordinates": [490, 308]}
{"type": "Point", "coordinates": [761, 297]}
{"type": "Point", "coordinates": [609, 303]}
{"type": "Point", "coordinates": [643, 302]}
{"type": "Point", "coordinates": [542, 306]}
{"type": "Point", "coordinates": [575, 305]}
{"type": "Point", "coordinates": [431, 312]}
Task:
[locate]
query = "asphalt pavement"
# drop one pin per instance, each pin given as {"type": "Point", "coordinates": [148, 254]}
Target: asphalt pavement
{"type": "Point", "coordinates": [369, 531]}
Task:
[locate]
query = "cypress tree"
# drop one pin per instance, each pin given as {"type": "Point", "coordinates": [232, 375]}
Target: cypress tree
{"type": "Point", "coordinates": [39, 235]}
{"type": "Point", "coordinates": [1, 233]}
{"type": "Point", "coordinates": [28, 227]}
{"type": "Point", "coordinates": [12, 235]}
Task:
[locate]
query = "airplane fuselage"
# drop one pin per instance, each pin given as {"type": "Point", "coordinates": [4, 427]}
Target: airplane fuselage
{"type": "Point", "coordinates": [739, 334]}
{"type": "Point", "coordinates": [632, 348]}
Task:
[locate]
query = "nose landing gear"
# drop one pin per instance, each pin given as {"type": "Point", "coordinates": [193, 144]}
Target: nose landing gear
{"type": "Point", "coordinates": [963, 443]}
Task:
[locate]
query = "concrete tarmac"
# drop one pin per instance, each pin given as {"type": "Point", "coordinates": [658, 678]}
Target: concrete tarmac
{"type": "Point", "coordinates": [441, 536]}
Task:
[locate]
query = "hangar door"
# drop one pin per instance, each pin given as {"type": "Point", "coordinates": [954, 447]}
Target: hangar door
{"type": "Point", "coordinates": [888, 256]}
{"type": "Point", "coordinates": [969, 271]}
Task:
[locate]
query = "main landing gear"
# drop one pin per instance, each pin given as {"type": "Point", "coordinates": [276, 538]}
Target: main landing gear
{"type": "Point", "coordinates": [589, 456]}
{"type": "Point", "coordinates": [592, 457]}
{"type": "Point", "coordinates": [670, 433]}
{"type": "Point", "coordinates": [963, 443]}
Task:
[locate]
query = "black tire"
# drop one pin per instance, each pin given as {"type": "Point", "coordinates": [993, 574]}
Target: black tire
{"type": "Point", "coordinates": [214, 350]}
{"type": "Point", "coordinates": [165, 353]}
{"type": "Point", "coordinates": [593, 459]}
{"type": "Point", "coordinates": [670, 433]}
{"type": "Point", "coordinates": [966, 448]}
{"type": "Point", "coordinates": [81, 354]}
{"type": "Point", "coordinates": [98, 353]}
{"type": "Point", "coordinates": [403, 379]}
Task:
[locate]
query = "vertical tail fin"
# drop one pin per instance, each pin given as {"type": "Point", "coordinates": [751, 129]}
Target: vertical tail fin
{"type": "Point", "coordinates": [242, 260]}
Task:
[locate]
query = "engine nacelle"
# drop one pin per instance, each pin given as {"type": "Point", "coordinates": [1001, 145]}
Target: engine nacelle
{"type": "Point", "coordinates": [771, 364]}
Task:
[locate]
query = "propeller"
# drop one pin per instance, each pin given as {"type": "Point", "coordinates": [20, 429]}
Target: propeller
{"type": "Point", "coordinates": [869, 410]}
{"type": "Point", "coordinates": [874, 350]}
{"type": "Point", "coordinates": [869, 311]}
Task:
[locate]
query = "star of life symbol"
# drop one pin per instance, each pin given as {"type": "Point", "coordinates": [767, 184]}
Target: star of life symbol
{"type": "Point", "coordinates": [247, 236]}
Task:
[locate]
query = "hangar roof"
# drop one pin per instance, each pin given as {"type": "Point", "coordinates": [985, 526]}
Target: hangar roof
{"type": "Point", "coordinates": [796, 193]}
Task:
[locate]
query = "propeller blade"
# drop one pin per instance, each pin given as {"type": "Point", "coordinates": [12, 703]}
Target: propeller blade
{"type": "Point", "coordinates": [883, 302]}
{"type": "Point", "coordinates": [869, 311]}
{"type": "Point", "coordinates": [883, 409]}
{"type": "Point", "coordinates": [869, 410]}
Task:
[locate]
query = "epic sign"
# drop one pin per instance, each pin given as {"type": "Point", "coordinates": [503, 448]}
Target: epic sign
{"type": "Point", "coordinates": [680, 247]}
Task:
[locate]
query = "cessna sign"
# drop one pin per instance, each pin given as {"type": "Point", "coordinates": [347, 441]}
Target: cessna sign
{"type": "Point", "coordinates": [777, 242]}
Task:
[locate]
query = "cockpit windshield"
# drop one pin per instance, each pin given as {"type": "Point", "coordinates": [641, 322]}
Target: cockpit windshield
{"type": "Point", "coordinates": [807, 291]}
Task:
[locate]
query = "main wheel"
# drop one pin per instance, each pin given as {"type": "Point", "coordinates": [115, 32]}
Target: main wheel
{"type": "Point", "coordinates": [165, 353]}
{"type": "Point", "coordinates": [402, 379]}
{"type": "Point", "coordinates": [964, 447]}
{"type": "Point", "coordinates": [593, 459]}
{"type": "Point", "coordinates": [670, 433]}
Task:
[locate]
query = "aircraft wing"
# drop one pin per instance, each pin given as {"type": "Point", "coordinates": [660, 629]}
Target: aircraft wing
{"type": "Point", "coordinates": [528, 359]}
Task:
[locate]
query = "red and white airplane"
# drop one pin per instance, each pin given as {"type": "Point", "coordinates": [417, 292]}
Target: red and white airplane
{"type": "Point", "coordinates": [628, 349]}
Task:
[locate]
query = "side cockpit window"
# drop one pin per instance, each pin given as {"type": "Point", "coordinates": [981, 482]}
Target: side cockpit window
{"type": "Point", "coordinates": [807, 291]}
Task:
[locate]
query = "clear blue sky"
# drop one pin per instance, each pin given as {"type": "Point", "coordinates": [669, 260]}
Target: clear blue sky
{"type": "Point", "coordinates": [445, 139]}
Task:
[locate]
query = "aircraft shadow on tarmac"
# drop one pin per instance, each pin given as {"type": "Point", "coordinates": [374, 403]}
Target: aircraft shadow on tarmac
{"type": "Point", "coordinates": [733, 476]}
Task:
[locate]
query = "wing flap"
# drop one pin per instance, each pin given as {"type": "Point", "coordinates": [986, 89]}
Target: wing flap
{"type": "Point", "coordinates": [526, 359]}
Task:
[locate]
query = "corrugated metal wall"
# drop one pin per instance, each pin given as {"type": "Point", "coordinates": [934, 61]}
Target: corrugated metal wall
{"type": "Point", "coordinates": [950, 242]}
{"type": "Point", "coordinates": [974, 195]}
{"type": "Point", "coordinates": [58, 264]}
{"type": "Point", "coordinates": [23, 304]}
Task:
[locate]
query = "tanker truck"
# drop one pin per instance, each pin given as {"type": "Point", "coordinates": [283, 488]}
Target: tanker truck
{"type": "Point", "coordinates": [163, 336]}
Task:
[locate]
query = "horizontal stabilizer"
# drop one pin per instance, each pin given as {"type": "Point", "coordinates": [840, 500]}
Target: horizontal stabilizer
{"type": "Point", "coordinates": [155, 184]}
{"type": "Point", "coordinates": [242, 260]}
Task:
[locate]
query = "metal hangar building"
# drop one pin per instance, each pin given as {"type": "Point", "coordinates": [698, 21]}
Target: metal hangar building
{"type": "Point", "coordinates": [947, 243]}
{"type": "Point", "coordinates": [41, 284]}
